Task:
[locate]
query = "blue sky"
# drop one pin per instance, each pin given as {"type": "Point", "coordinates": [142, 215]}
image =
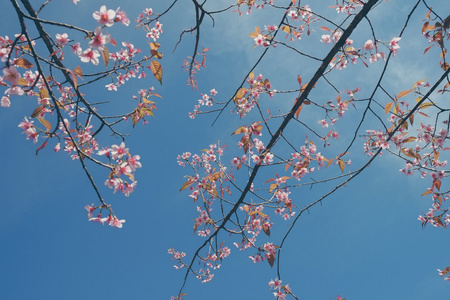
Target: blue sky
{"type": "Point", "coordinates": [363, 242]}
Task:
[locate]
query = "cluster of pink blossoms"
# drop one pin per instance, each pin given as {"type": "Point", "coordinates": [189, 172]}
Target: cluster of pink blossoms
{"type": "Point", "coordinates": [106, 18]}
{"type": "Point", "coordinates": [122, 164]}
{"type": "Point", "coordinates": [110, 220]}
{"type": "Point", "coordinates": [351, 54]}
{"type": "Point", "coordinates": [347, 7]}
{"type": "Point", "coordinates": [205, 101]}
{"type": "Point", "coordinates": [29, 130]}
{"type": "Point", "coordinates": [147, 17]}
{"type": "Point", "coordinates": [281, 291]}
{"type": "Point", "coordinates": [253, 4]}
{"type": "Point", "coordinates": [246, 98]}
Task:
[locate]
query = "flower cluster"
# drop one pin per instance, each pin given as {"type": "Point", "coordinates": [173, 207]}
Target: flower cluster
{"type": "Point", "coordinates": [246, 98]}
{"type": "Point", "coordinates": [349, 54]}
{"type": "Point", "coordinates": [121, 163]}
{"type": "Point", "coordinates": [111, 220]}
{"type": "Point", "coordinates": [281, 291]}
{"type": "Point", "coordinates": [347, 7]}
{"type": "Point", "coordinates": [252, 4]}
{"type": "Point", "coordinates": [206, 100]}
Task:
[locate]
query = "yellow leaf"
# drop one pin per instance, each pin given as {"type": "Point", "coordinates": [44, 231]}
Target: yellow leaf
{"type": "Point", "coordinates": [286, 28]}
{"type": "Point", "coordinates": [426, 105]}
{"type": "Point", "coordinates": [157, 70]}
{"type": "Point", "coordinates": [22, 81]}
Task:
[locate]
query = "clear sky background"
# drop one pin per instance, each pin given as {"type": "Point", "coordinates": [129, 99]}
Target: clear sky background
{"type": "Point", "coordinates": [364, 242]}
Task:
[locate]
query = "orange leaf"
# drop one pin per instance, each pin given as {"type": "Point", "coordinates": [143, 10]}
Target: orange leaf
{"type": "Point", "coordinates": [23, 63]}
{"type": "Point", "coordinates": [37, 111]}
{"type": "Point", "coordinates": [325, 28]}
{"type": "Point", "coordinates": [409, 139]}
{"type": "Point", "coordinates": [287, 166]}
{"type": "Point", "coordinates": [46, 123]}
{"type": "Point", "coordinates": [298, 109]}
{"type": "Point", "coordinates": [154, 46]}
{"type": "Point", "coordinates": [105, 56]}
{"type": "Point", "coordinates": [241, 93]}
{"type": "Point", "coordinates": [341, 165]}
{"type": "Point", "coordinates": [43, 93]}
{"type": "Point", "coordinates": [286, 28]}
{"type": "Point", "coordinates": [403, 93]}
{"type": "Point", "coordinates": [78, 71]}
{"type": "Point", "coordinates": [329, 162]}
{"type": "Point", "coordinates": [272, 187]}
{"type": "Point", "coordinates": [388, 107]}
{"type": "Point", "coordinates": [157, 70]}
{"type": "Point", "coordinates": [427, 192]}
{"type": "Point", "coordinates": [299, 79]}
{"type": "Point", "coordinates": [240, 130]}
{"type": "Point", "coordinates": [187, 183]}
{"type": "Point", "coordinates": [251, 76]}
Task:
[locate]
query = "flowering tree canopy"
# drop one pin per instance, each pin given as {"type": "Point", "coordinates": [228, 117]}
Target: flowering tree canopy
{"type": "Point", "coordinates": [305, 100]}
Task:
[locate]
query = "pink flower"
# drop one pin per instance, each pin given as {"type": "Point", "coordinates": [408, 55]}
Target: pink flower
{"type": "Point", "coordinates": [326, 38]}
{"type": "Point", "coordinates": [111, 87]}
{"type": "Point", "coordinates": [77, 49]}
{"type": "Point", "coordinates": [268, 158]}
{"type": "Point", "coordinates": [394, 45]}
{"type": "Point", "coordinates": [119, 151]}
{"type": "Point", "coordinates": [90, 55]}
{"type": "Point", "coordinates": [323, 123]}
{"type": "Point", "coordinates": [99, 39]}
{"type": "Point", "coordinates": [336, 36]}
{"type": "Point", "coordinates": [116, 223]}
{"type": "Point", "coordinates": [134, 163]}
{"type": "Point", "coordinates": [16, 90]}
{"type": "Point", "coordinates": [369, 45]}
{"type": "Point", "coordinates": [57, 147]}
{"type": "Point", "coordinates": [104, 16]}
{"type": "Point", "coordinates": [62, 39]}
{"type": "Point", "coordinates": [98, 219]}
{"type": "Point", "coordinates": [90, 209]}
{"type": "Point", "coordinates": [5, 101]}
{"type": "Point", "coordinates": [122, 17]}
{"type": "Point", "coordinates": [11, 74]}
{"type": "Point", "coordinates": [275, 284]}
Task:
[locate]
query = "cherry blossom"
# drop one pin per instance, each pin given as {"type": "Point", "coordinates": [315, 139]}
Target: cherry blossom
{"type": "Point", "coordinates": [90, 55]}
{"type": "Point", "coordinates": [105, 16]}
{"type": "Point", "coordinates": [99, 40]}
{"type": "Point", "coordinates": [62, 39]}
{"type": "Point", "coordinates": [11, 74]}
